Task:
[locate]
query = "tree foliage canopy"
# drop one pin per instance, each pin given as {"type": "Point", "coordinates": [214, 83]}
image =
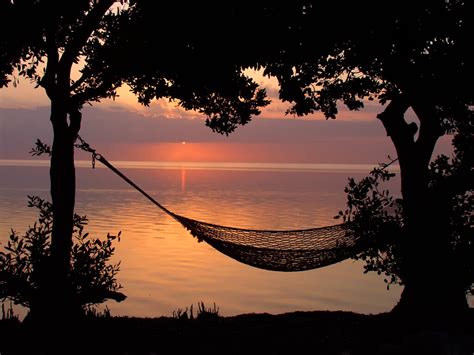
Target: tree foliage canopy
{"type": "Point", "coordinates": [321, 52]}
{"type": "Point", "coordinates": [367, 51]}
{"type": "Point", "coordinates": [169, 51]}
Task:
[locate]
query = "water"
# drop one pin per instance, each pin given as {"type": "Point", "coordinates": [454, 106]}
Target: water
{"type": "Point", "coordinates": [163, 268]}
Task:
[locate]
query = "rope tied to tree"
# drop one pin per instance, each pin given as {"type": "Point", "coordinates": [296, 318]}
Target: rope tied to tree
{"type": "Point", "coordinates": [87, 148]}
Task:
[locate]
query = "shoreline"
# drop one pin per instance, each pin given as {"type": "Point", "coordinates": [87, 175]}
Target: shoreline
{"type": "Point", "coordinates": [319, 332]}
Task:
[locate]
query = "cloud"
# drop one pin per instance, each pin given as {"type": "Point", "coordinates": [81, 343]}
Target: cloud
{"type": "Point", "coordinates": [23, 96]}
{"type": "Point", "coordinates": [19, 129]}
{"type": "Point", "coordinates": [123, 133]}
{"type": "Point", "coordinates": [26, 96]}
{"type": "Point", "coordinates": [125, 126]}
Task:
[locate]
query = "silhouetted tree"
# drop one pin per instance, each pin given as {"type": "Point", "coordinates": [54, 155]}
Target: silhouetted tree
{"type": "Point", "coordinates": [111, 43]}
{"type": "Point", "coordinates": [405, 55]}
{"type": "Point", "coordinates": [376, 216]}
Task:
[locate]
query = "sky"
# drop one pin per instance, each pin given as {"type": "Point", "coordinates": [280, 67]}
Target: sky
{"type": "Point", "coordinates": [122, 129]}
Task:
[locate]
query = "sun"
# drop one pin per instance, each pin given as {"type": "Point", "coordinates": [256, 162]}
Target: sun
{"type": "Point", "coordinates": [183, 142]}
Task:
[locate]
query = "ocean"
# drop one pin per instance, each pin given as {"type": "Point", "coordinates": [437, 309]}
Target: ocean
{"type": "Point", "coordinates": [163, 268]}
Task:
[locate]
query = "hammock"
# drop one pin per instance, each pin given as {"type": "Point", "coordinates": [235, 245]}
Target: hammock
{"type": "Point", "coordinates": [290, 250]}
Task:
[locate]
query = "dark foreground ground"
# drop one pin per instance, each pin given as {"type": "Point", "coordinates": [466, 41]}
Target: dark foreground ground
{"type": "Point", "coordinates": [317, 332]}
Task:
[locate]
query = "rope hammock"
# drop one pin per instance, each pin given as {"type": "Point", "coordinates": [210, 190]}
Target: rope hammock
{"type": "Point", "coordinates": [282, 250]}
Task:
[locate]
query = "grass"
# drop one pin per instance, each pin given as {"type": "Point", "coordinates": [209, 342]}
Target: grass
{"type": "Point", "coordinates": [202, 312]}
{"type": "Point", "coordinates": [206, 332]}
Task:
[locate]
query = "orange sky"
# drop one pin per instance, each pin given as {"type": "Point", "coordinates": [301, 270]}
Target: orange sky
{"type": "Point", "coordinates": [126, 130]}
{"type": "Point", "coordinates": [24, 95]}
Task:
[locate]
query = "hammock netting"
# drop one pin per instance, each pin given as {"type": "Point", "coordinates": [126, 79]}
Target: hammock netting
{"type": "Point", "coordinates": [292, 250]}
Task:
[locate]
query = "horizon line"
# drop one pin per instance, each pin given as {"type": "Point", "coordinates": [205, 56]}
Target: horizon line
{"type": "Point", "coordinates": [204, 165]}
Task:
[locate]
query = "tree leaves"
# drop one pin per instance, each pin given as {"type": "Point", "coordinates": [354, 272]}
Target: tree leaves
{"type": "Point", "coordinates": [375, 217]}
{"type": "Point", "coordinates": [26, 258]}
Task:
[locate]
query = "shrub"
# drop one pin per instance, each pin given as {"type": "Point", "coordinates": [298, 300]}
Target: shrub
{"type": "Point", "coordinates": [377, 218]}
{"type": "Point", "coordinates": [23, 263]}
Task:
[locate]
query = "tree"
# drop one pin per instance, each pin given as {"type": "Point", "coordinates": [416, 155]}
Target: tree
{"type": "Point", "coordinates": [405, 55]}
{"type": "Point", "coordinates": [376, 217]}
{"type": "Point", "coordinates": [114, 43]}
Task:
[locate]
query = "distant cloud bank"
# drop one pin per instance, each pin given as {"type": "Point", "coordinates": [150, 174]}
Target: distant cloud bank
{"type": "Point", "coordinates": [124, 135]}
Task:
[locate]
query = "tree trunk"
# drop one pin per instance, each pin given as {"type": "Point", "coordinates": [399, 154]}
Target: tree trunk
{"type": "Point", "coordinates": [63, 188]}
{"type": "Point", "coordinates": [433, 292]}
{"type": "Point", "coordinates": [432, 287]}
{"type": "Point", "coordinates": [56, 302]}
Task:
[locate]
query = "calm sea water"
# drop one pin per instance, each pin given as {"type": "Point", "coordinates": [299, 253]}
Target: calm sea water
{"type": "Point", "coordinates": [163, 268]}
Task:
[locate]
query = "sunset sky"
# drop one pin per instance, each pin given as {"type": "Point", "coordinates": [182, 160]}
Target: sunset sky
{"type": "Point", "coordinates": [125, 130]}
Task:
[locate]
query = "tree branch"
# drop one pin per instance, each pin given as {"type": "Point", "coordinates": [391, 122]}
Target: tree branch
{"type": "Point", "coordinates": [48, 81]}
{"type": "Point", "coordinates": [99, 296]}
{"type": "Point", "coordinates": [105, 89]}
{"type": "Point", "coordinates": [78, 82]}
{"type": "Point", "coordinates": [79, 38]}
{"type": "Point", "coordinates": [401, 133]}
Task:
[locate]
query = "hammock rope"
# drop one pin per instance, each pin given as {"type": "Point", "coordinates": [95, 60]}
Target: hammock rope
{"type": "Point", "coordinates": [278, 250]}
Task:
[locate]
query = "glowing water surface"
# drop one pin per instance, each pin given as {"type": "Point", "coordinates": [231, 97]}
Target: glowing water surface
{"type": "Point", "coordinates": [163, 268]}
